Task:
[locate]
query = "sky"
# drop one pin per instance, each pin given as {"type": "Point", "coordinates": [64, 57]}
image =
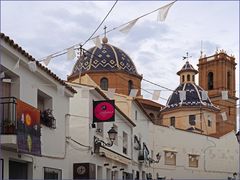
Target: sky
{"type": "Point", "coordinates": [156, 48]}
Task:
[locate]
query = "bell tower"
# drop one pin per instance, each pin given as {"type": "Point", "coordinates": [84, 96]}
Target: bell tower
{"type": "Point", "coordinates": [217, 74]}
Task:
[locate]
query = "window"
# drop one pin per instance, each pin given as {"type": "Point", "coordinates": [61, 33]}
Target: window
{"type": "Point", "coordinates": [193, 78]}
{"type": "Point", "coordinates": [172, 121]}
{"type": "Point", "coordinates": [210, 80]}
{"type": "Point", "coordinates": [209, 121]}
{"type": "Point", "coordinates": [183, 78]}
{"type": "Point", "coordinates": [193, 160]}
{"type": "Point", "coordinates": [130, 86]}
{"type": "Point", "coordinates": [135, 114]}
{"type": "Point", "coordinates": [51, 173]}
{"type": "Point", "coordinates": [188, 77]}
{"type": "Point", "coordinates": [228, 80]}
{"type": "Point", "coordinates": [104, 84]}
{"type": "Point", "coordinates": [44, 103]}
{"type": "Point", "coordinates": [99, 129]}
{"type": "Point", "coordinates": [125, 143]}
{"type": "Point", "coordinates": [116, 140]}
{"type": "Point", "coordinates": [192, 120]}
{"type": "Point", "coordinates": [170, 158]}
{"type": "Point", "coordinates": [152, 115]}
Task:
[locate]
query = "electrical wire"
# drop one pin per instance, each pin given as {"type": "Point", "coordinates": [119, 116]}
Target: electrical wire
{"type": "Point", "coordinates": [101, 23]}
{"type": "Point", "coordinates": [64, 51]}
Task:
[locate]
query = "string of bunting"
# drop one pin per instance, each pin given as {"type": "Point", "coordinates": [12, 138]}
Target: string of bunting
{"type": "Point", "coordinates": [125, 28]}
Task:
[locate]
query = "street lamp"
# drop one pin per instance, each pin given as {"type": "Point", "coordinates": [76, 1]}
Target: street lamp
{"type": "Point", "coordinates": [112, 133]}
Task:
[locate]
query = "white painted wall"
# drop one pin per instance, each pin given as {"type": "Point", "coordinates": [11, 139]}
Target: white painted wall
{"type": "Point", "coordinates": [25, 85]}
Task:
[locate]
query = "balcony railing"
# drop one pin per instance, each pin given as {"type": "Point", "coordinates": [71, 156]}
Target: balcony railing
{"type": "Point", "coordinates": [8, 115]}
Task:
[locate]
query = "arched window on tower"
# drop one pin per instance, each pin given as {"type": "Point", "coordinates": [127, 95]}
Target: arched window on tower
{"type": "Point", "coordinates": [130, 86]}
{"type": "Point", "coordinates": [104, 84]}
{"type": "Point", "coordinates": [228, 80]}
{"type": "Point", "coordinates": [193, 78]}
{"type": "Point", "coordinates": [210, 80]}
{"type": "Point", "coordinates": [188, 77]}
{"type": "Point", "coordinates": [183, 78]}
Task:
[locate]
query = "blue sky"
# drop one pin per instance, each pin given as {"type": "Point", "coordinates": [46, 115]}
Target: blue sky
{"type": "Point", "coordinates": [45, 27]}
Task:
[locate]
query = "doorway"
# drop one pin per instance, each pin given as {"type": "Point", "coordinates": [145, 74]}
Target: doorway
{"type": "Point", "coordinates": [18, 170]}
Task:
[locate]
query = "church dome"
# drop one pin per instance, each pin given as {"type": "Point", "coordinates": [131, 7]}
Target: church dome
{"type": "Point", "coordinates": [109, 58]}
{"type": "Point", "coordinates": [193, 98]}
{"type": "Point", "coordinates": [194, 93]}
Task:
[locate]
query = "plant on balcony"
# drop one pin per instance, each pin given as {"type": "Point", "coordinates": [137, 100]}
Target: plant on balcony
{"type": "Point", "coordinates": [9, 127]}
{"type": "Point", "coordinates": [48, 119]}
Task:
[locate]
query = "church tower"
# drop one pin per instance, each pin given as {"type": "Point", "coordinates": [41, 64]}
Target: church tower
{"type": "Point", "coordinates": [217, 74]}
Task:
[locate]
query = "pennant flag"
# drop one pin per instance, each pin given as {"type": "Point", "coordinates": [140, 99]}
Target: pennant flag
{"type": "Point", "coordinates": [2, 75]}
{"type": "Point", "coordinates": [61, 90]}
{"type": "Point", "coordinates": [127, 28]}
{"type": "Point", "coordinates": [71, 53]}
{"type": "Point", "coordinates": [16, 66]}
{"type": "Point", "coordinates": [32, 66]}
{"type": "Point", "coordinates": [7, 80]}
{"type": "Point", "coordinates": [163, 11]}
{"type": "Point", "coordinates": [182, 95]}
{"type": "Point", "coordinates": [204, 95]}
{"type": "Point", "coordinates": [97, 42]}
{"type": "Point", "coordinates": [156, 95]}
{"type": "Point", "coordinates": [47, 60]}
{"type": "Point", "coordinates": [224, 95]}
{"type": "Point", "coordinates": [111, 92]}
{"type": "Point", "coordinates": [133, 92]}
{"type": "Point", "coordinates": [224, 116]}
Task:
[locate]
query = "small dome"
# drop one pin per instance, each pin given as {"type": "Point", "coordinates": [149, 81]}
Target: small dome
{"type": "Point", "coordinates": [193, 98]}
{"type": "Point", "coordinates": [186, 68]}
{"type": "Point", "coordinates": [108, 58]}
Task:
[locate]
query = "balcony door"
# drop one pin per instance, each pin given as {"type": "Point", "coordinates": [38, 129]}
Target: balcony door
{"type": "Point", "coordinates": [6, 89]}
{"type": "Point", "coordinates": [18, 170]}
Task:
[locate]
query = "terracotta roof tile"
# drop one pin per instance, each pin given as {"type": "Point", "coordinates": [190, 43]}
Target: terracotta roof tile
{"type": "Point", "coordinates": [30, 58]}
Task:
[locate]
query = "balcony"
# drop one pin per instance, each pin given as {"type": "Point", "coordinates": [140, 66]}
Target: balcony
{"type": "Point", "coordinates": [8, 115]}
{"type": "Point", "coordinates": [8, 121]}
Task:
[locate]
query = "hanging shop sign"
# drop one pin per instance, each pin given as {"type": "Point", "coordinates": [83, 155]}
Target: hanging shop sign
{"type": "Point", "coordinates": [103, 111]}
{"type": "Point", "coordinates": [28, 129]}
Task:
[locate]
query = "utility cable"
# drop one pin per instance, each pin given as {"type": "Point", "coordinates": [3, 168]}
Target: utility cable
{"type": "Point", "coordinates": [100, 23]}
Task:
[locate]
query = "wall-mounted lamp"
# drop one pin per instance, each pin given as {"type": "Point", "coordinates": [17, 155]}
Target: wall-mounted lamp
{"type": "Point", "coordinates": [158, 156]}
{"type": "Point", "coordinates": [112, 133]}
{"type": "Point", "coordinates": [238, 136]}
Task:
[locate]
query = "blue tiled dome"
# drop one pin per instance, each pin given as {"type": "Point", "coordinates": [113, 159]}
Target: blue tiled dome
{"type": "Point", "coordinates": [193, 98]}
{"type": "Point", "coordinates": [108, 58]}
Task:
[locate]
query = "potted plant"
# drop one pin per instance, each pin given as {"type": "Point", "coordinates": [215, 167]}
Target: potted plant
{"type": "Point", "coordinates": [48, 119]}
{"type": "Point", "coordinates": [9, 127]}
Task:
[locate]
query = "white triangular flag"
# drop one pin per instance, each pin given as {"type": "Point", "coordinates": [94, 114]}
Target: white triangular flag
{"type": "Point", "coordinates": [224, 116]}
{"type": "Point", "coordinates": [97, 42]}
{"type": "Point", "coordinates": [47, 60]}
{"type": "Point", "coordinates": [61, 90]}
{"type": "Point", "coordinates": [111, 92]}
{"type": "Point", "coordinates": [2, 75]}
{"type": "Point", "coordinates": [224, 95]}
{"type": "Point", "coordinates": [71, 53]}
{"type": "Point", "coordinates": [182, 95]}
{"type": "Point", "coordinates": [16, 66]}
{"type": "Point", "coordinates": [156, 95]}
{"type": "Point", "coordinates": [32, 66]}
{"type": "Point", "coordinates": [163, 11]}
{"type": "Point", "coordinates": [204, 95]}
{"type": "Point", "coordinates": [133, 92]}
{"type": "Point", "coordinates": [127, 28]}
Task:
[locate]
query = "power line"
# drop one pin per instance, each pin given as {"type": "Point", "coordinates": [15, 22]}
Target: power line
{"type": "Point", "coordinates": [64, 51]}
{"type": "Point", "coordinates": [101, 23]}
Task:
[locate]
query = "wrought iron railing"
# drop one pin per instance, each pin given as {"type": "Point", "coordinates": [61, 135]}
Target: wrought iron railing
{"type": "Point", "coordinates": [8, 115]}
